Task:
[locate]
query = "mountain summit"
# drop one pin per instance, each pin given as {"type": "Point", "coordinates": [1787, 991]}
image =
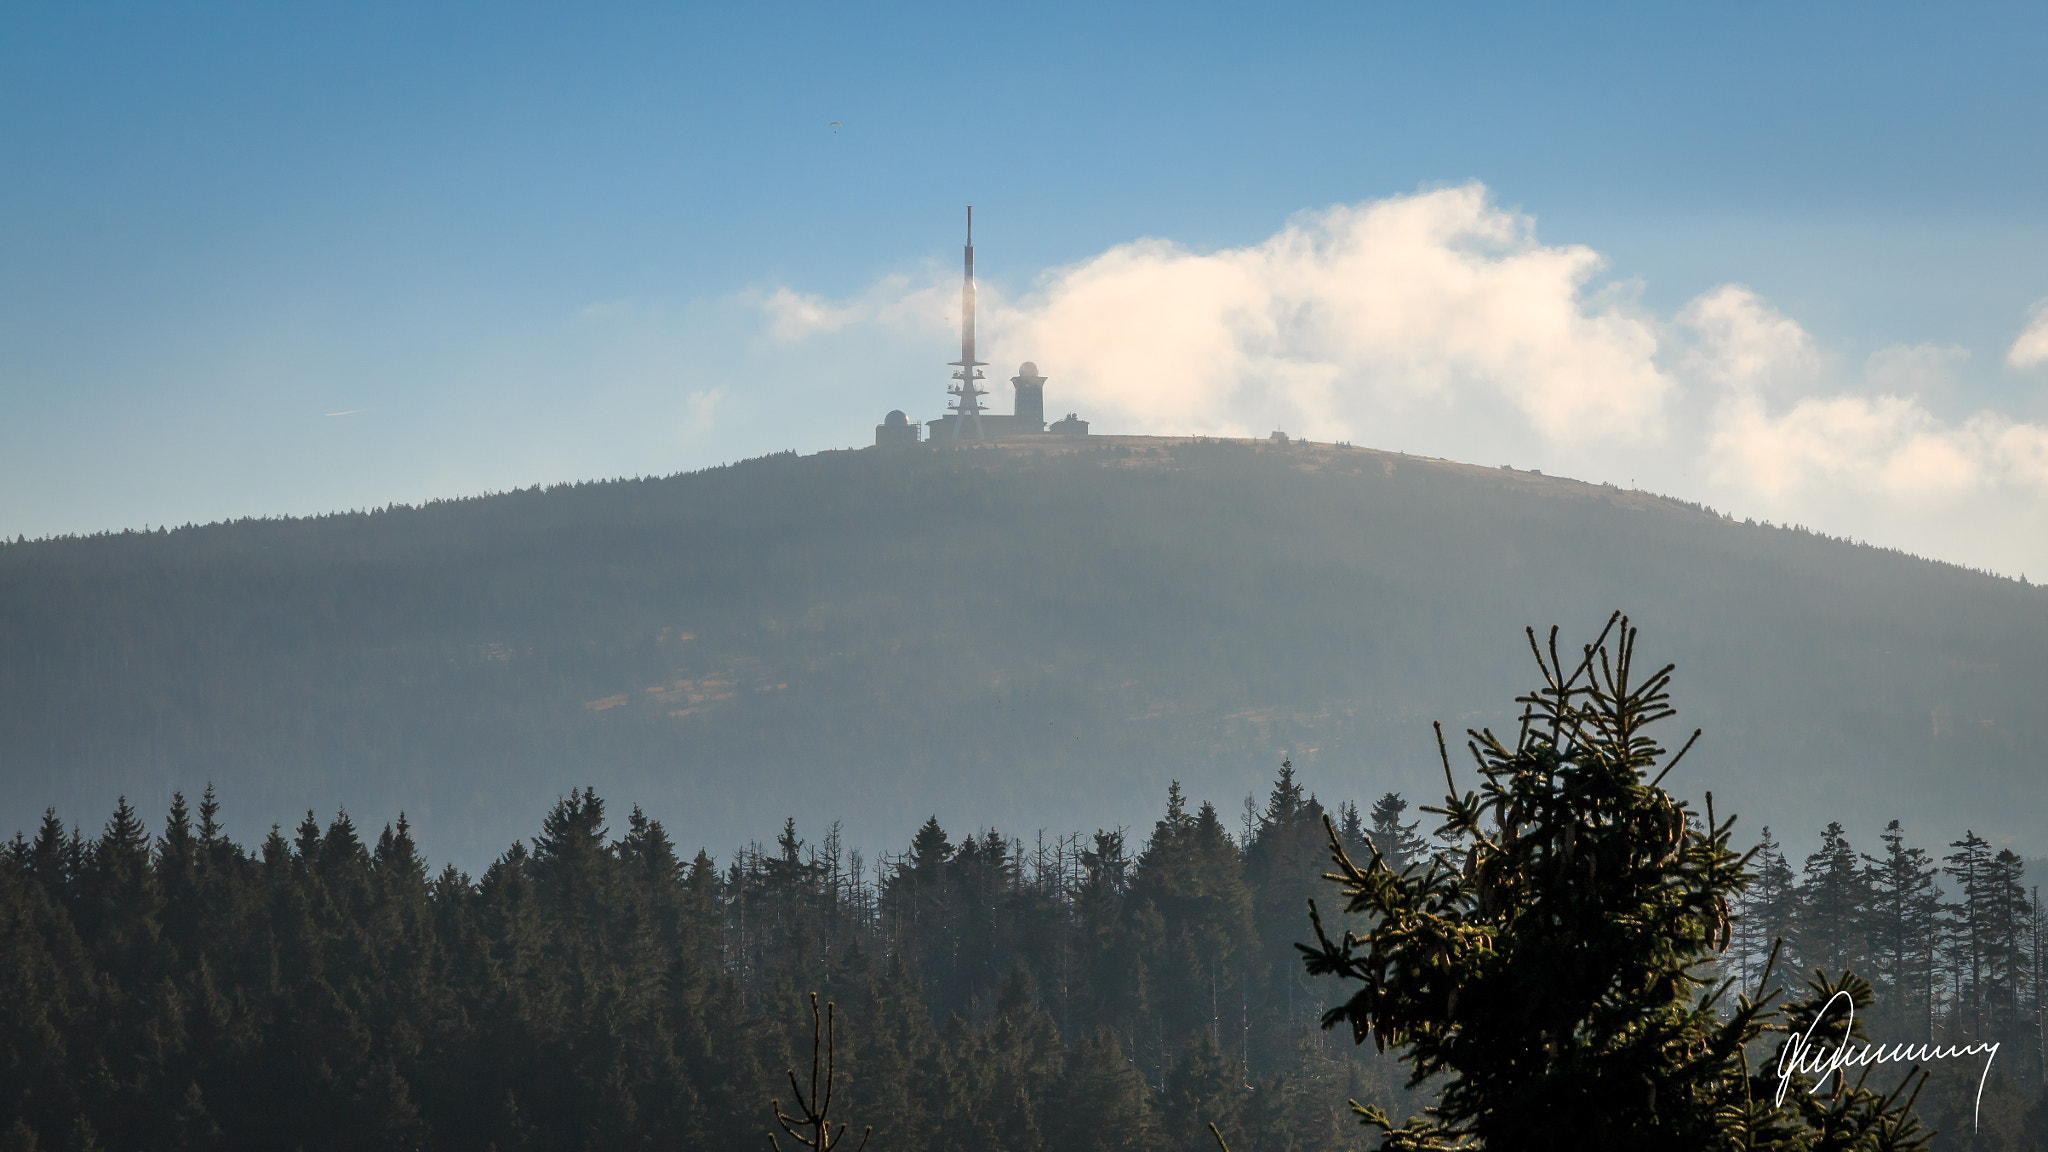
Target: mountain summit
{"type": "Point", "coordinates": [1025, 634]}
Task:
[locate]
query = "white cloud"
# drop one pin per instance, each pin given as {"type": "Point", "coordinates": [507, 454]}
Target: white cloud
{"type": "Point", "coordinates": [1436, 298]}
{"type": "Point", "coordinates": [1881, 439]}
{"type": "Point", "coordinates": [1887, 444]}
{"type": "Point", "coordinates": [1439, 322]}
{"type": "Point", "coordinates": [700, 411]}
{"type": "Point", "coordinates": [1747, 346]}
{"type": "Point", "coordinates": [893, 302]}
{"type": "Point", "coordinates": [1914, 370]}
{"type": "Point", "coordinates": [2031, 349]}
{"type": "Point", "coordinates": [794, 315]}
{"type": "Point", "coordinates": [1440, 298]}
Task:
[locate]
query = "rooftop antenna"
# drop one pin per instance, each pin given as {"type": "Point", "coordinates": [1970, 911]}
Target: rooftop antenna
{"type": "Point", "coordinates": [967, 396]}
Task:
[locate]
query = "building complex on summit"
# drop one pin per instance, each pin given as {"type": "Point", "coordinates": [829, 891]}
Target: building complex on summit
{"type": "Point", "coordinates": [967, 419]}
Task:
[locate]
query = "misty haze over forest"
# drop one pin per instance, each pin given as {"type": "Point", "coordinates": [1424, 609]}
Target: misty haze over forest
{"type": "Point", "coordinates": [1021, 636]}
{"type": "Point", "coordinates": [426, 791]}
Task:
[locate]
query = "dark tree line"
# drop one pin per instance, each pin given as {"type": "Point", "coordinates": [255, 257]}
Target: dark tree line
{"type": "Point", "coordinates": [1952, 943]}
{"type": "Point", "coordinates": [593, 988]}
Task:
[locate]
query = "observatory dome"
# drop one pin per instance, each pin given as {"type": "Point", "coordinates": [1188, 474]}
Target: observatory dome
{"type": "Point", "coordinates": [895, 419]}
{"type": "Point", "coordinates": [1027, 369]}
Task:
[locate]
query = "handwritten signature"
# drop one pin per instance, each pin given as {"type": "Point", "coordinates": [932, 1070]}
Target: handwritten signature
{"type": "Point", "coordinates": [1801, 1056]}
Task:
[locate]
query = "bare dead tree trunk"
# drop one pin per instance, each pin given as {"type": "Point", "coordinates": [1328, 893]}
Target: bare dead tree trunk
{"type": "Point", "coordinates": [812, 1127]}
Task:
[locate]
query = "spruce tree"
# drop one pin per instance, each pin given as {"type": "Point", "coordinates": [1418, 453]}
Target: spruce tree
{"type": "Point", "coordinates": [1102, 1103]}
{"type": "Point", "coordinates": [1190, 882]}
{"type": "Point", "coordinates": [1903, 921]}
{"type": "Point", "coordinates": [2037, 928]}
{"type": "Point", "coordinates": [196, 881]}
{"type": "Point", "coordinates": [1350, 825]}
{"type": "Point", "coordinates": [1829, 931]}
{"type": "Point", "coordinates": [119, 900]}
{"type": "Point", "coordinates": [1554, 972]}
{"type": "Point", "coordinates": [919, 896]}
{"type": "Point", "coordinates": [1396, 842]}
{"type": "Point", "coordinates": [1764, 910]}
{"type": "Point", "coordinates": [1970, 866]}
{"type": "Point", "coordinates": [1283, 867]}
{"type": "Point", "coordinates": [1204, 1088]}
{"type": "Point", "coordinates": [48, 858]}
{"type": "Point", "coordinates": [2008, 967]}
{"type": "Point", "coordinates": [1110, 990]}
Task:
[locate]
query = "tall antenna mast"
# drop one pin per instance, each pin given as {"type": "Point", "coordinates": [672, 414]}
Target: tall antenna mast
{"type": "Point", "coordinates": [967, 396]}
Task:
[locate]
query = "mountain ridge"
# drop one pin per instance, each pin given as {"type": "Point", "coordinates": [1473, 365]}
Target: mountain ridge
{"type": "Point", "coordinates": [988, 633]}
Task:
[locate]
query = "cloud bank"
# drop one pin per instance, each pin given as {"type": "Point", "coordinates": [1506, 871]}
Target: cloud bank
{"type": "Point", "coordinates": [1766, 438]}
{"type": "Point", "coordinates": [1439, 322]}
{"type": "Point", "coordinates": [2031, 349]}
{"type": "Point", "coordinates": [1440, 297]}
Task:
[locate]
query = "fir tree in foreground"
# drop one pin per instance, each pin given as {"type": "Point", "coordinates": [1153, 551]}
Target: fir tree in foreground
{"type": "Point", "coordinates": [1557, 977]}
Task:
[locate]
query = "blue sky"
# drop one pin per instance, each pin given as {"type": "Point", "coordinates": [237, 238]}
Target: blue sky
{"type": "Point", "coordinates": [524, 243]}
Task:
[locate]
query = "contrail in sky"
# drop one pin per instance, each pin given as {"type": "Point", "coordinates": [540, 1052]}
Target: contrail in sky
{"type": "Point", "coordinates": [350, 412]}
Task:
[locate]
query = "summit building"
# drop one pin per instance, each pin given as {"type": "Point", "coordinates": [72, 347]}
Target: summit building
{"type": "Point", "coordinates": [966, 418]}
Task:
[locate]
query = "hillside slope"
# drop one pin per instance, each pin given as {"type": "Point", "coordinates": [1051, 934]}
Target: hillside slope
{"type": "Point", "coordinates": [1030, 636]}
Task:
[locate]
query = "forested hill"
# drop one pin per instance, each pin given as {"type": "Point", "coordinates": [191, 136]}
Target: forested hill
{"type": "Point", "coordinates": [1023, 636]}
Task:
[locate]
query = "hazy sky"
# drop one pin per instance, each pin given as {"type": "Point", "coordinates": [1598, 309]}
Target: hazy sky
{"type": "Point", "coordinates": [1780, 258]}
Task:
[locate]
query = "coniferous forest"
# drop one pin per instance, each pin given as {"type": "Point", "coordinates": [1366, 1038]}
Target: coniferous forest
{"type": "Point", "coordinates": [168, 987]}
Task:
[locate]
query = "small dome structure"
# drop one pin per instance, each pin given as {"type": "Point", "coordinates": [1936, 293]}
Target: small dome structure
{"type": "Point", "coordinates": [896, 431]}
{"type": "Point", "coordinates": [1026, 369]}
